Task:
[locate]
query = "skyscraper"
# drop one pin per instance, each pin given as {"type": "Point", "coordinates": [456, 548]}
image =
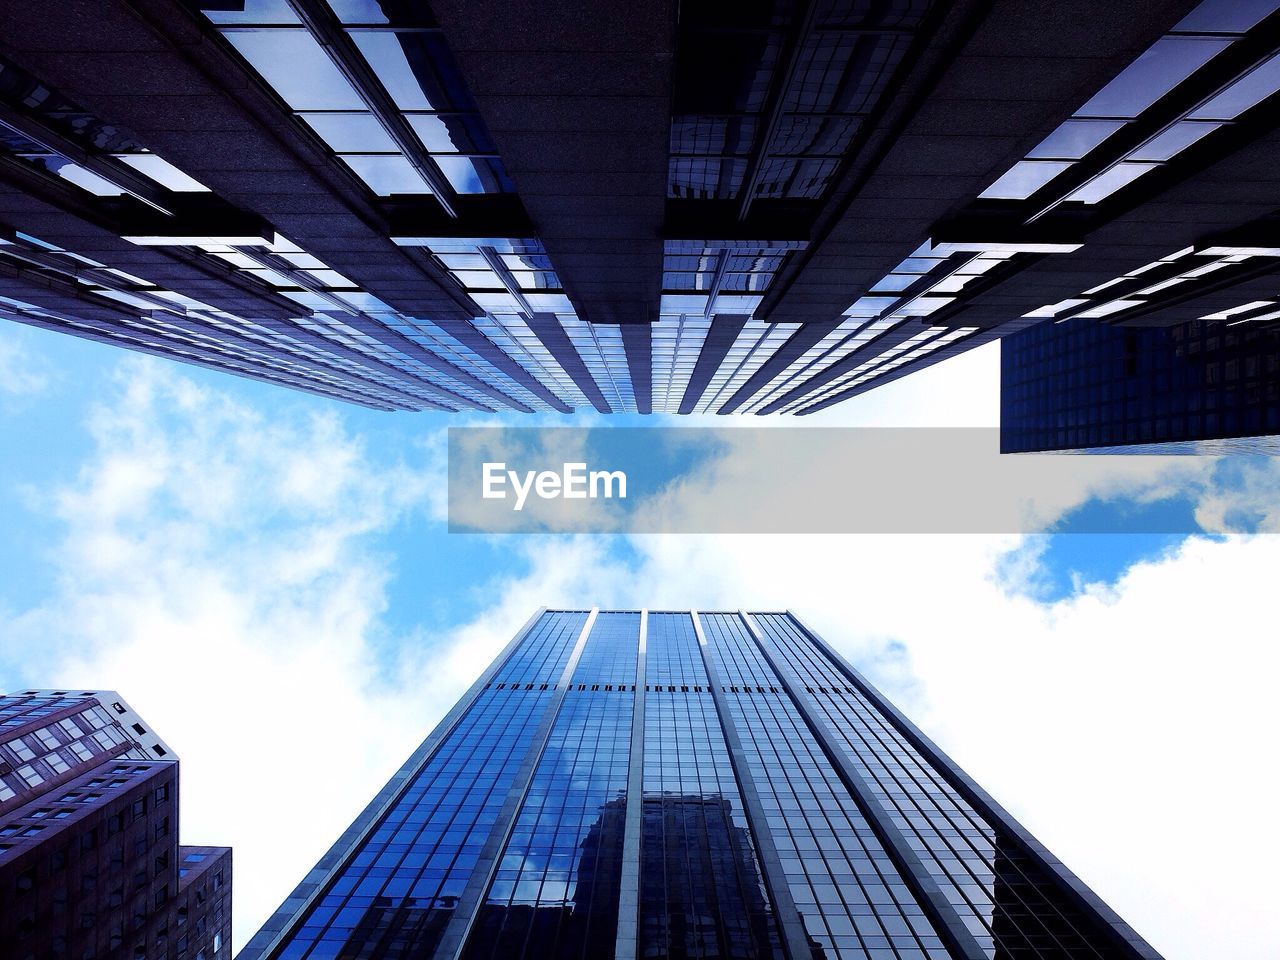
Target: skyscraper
{"type": "Point", "coordinates": [90, 865]}
{"type": "Point", "coordinates": [695, 207]}
{"type": "Point", "coordinates": [1199, 385]}
{"type": "Point", "coordinates": [680, 784]}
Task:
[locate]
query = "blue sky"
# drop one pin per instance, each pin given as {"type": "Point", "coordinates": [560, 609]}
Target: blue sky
{"type": "Point", "coordinates": [45, 432]}
{"type": "Point", "coordinates": [267, 577]}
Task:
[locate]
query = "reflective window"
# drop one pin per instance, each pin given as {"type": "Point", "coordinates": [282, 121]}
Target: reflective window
{"type": "Point", "coordinates": [702, 893]}
{"type": "Point", "coordinates": [1164, 65]}
{"type": "Point", "coordinates": [556, 890]}
{"type": "Point", "coordinates": [851, 898]}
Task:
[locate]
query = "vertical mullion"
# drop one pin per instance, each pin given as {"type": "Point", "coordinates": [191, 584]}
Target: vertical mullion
{"type": "Point", "coordinates": [628, 942]}
{"type": "Point", "coordinates": [795, 940]}
{"type": "Point", "coordinates": [455, 935]}
{"type": "Point", "coordinates": [309, 890]}
{"type": "Point", "coordinates": [981, 801]}
{"type": "Point", "coordinates": [930, 896]}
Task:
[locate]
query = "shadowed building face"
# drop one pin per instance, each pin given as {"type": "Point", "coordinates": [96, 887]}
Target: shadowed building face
{"type": "Point", "coordinates": [90, 864]}
{"type": "Point", "coordinates": [702, 207]}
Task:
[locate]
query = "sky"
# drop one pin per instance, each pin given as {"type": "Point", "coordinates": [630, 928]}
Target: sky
{"type": "Point", "coordinates": [267, 577]}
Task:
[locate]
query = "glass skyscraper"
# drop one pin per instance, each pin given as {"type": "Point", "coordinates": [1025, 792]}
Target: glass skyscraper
{"type": "Point", "coordinates": [695, 207]}
{"type": "Point", "coordinates": [644, 784]}
{"type": "Point", "coordinates": [1207, 385]}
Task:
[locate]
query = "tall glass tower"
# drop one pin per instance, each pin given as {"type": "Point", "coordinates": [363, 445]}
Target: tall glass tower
{"type": "Point", "coordinates": [643, 784]}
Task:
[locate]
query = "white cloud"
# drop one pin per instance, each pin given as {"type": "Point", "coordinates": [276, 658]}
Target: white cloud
{"type": "Point", "coordinates": [23, 373]}
{"type": "Point", "coordinates": [1129, 728]}
{"type": "Point", "coordinates": [220, 568]}
{"type": "Point", "coordinates": [218, 571]}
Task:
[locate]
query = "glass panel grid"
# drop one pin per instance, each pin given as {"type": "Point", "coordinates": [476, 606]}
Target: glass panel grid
{"type": "Point", "coordinates": [1008, 904]}
{"type": "Point", "coordinates": [416, 71]}
{"type": "Point", "coordinates": [402, 884]}
{"type": "Point", "coordinates": [851, 898]}
{"type": "Point", "coordinates": [702, 892]}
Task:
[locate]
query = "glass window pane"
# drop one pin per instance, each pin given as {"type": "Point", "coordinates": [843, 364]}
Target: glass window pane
{"type": "Point", "coordinates": [386, 56]}
{"type": "Point", "coordinates": [386, 174]}
{"type": "Point", "coordinates": [358, 11]}
{"type": "Point", "coordinates": [451, 133]}
{"type": "Point", "coordinates": [162, 172]}
{"type": "Point", "coordinates": [1075, 138]}
{"type": "Point", "coordinates": [896, 281]}
{"type": "Point", "coordinates": [83, 178]}
{"type": "Point", "coordinates": [1172, 140]}
{"type": "Point", "coordinates": [351, 132]}
{"type": "Point", "coordinates": [1226, 16]}
{"type": "Point", "coordinates": [1246, 92]}
{"type": "Point", "coordinates": [296, 66]}
{"type": "Point", "coordinates": [461, 173]}
{"type": "Point", "coordinates": [1166, 63]}
{"type": "Point", "coordinates": [1023, 179]}
{"type": "Point", "coordinates": [1108, 182]}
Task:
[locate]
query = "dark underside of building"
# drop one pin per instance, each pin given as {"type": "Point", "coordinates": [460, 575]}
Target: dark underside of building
{"type": "Point", "coordinates": [761, 207]}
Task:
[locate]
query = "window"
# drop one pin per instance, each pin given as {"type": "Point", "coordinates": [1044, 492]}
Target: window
{"type": "Point", "coordinates": [1111, 180]}
{"type": "Point", "coordinates": [1023, 179]}
{"type": "Point", "coordinates": [297, 67]}
{"type": "Point", "coordinates": [1167, 62]}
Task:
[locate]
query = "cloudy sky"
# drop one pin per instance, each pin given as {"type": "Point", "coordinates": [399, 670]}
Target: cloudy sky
{"type": "Point", "coordinates": [268, 579]}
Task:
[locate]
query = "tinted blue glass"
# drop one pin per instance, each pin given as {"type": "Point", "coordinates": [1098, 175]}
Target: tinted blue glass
{"type": "Point", "coordinates": [541, 658]}
{"type": "Point", "coordinates": [555, 892]}
{"type": "Point", "coordinates": [1006, 901]}
{"type": "Point", "coordinates": [557, 885]}
{"type": "Point", "coordinates": [400, 886]}
{"type": "Point", "coordinates": [609, 657]}
{"type": "Point", "coordinates": [851, 898]}
{"type": "Point", "coordinates": [1081, 384]}
{"type": "Point", "coordinates": [701, 890]}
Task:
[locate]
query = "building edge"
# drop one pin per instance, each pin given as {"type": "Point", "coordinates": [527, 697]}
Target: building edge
{"type": "Point", "coordinates": [984, 802]}
{"type": "Point", "coordinates": [295, 906]}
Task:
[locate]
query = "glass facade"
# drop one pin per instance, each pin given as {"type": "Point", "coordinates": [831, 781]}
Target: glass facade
{"type": "Point", "coordinates": [1084, 384]}
{"type": "Point", "coordinates": [399, 891]}
{"type": "Point", "coordinates": [770, 96]}
{"type": "Point", "coordinates": [777, 805]}
{"type": "Point", "coordinates": [807, 201]}
{"type": "Point", "coordinates": [702, 893]}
